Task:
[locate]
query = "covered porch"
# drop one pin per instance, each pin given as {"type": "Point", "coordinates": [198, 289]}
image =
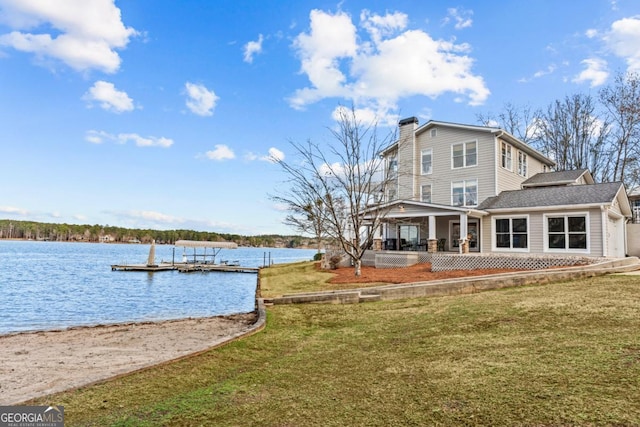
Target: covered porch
{"type": "Point", "coordinates": [411, 226]}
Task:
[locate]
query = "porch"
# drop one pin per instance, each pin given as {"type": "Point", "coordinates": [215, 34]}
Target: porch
{"type": "Point", "coordinates": [411, 226]}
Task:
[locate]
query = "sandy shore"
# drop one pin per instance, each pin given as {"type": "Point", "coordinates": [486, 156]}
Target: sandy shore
{"type": "Point", "coordinates": [35, 364]}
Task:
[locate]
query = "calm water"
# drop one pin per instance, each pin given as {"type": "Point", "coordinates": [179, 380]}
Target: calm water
{"type": "Point", "coordinates": [52, 285]}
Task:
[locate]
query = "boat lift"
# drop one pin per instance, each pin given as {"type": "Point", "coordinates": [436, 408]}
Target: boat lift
{"type": "Point", "coordinates": [200, 258]}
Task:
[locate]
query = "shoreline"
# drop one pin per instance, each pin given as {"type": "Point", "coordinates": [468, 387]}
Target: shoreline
{"type": "Point", "coordinates": [39, 363]}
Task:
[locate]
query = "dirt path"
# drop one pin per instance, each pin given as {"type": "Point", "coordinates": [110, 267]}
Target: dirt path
{"type": "Point", "coordinates": [35, 364]}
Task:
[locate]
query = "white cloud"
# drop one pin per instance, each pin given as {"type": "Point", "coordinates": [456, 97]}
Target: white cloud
{"type": "Point", "coordinates": [393, 63]}
{"type": "Point", "coordinates": [623, 39]}
{"type": "Point", "coordinates": [220, 153]}
{"type": "Point", "coordinates": [540, 73]}
{"type": "Point", "coordinates": [109, 97]}
{"type": "Point", "coordinates": [153, 216]}
{"type": "Point", "coordinates": [252, 48]}
{"type": "Point", "coordinates": [595, 72]}
{"type": "Point", "coordinates": [200, 100]}
{"type": "Point", "coordinates": [13, 210]}
{"type": "Point", "coordinates": [274, 155]}
{"type": "Point", "coordinates": [99, 137]}
{"type": "Point", "coordinates": [82, 34]}
{"type": "Point", "coordinates": [460, 17]}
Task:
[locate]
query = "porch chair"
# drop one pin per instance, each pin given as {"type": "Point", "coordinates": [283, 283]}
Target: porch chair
{"type": "Point", "coordinates": [441, 244]}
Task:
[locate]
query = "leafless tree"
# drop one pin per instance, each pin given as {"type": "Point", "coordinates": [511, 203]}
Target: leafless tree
{"type": "Point", "coordinates": [622, 103]}
{"type": "Point", "coordinates": [570, 132]}
{"type": "Point", "coordinates": [331, 185]}
{"type": "Point", "coordinates": [514, 119]}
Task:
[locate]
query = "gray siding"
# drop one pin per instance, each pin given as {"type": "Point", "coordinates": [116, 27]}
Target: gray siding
{"type": "Point", "coordinates": [444, 174]}
{"type": "Point", "coordinates": [510, 180]}
{"type": "Point", "coordinates": [536, 232]}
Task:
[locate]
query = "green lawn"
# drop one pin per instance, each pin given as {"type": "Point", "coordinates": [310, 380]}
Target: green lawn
{"type": "Point", "coordinates": [559, 354]}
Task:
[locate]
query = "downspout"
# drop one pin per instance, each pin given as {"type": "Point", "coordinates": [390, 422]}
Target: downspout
{"type": "Point", "coordinates": [496, 160]}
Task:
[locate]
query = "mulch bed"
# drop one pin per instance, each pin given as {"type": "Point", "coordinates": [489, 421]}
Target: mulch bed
{"type": "Point", "coordinates": [416, 273]}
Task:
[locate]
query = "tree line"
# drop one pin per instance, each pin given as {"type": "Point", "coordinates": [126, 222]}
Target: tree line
{"type": "Point", "coordinates": [29, 230]}
{"type": "Point", "coordinates": [582, 131]}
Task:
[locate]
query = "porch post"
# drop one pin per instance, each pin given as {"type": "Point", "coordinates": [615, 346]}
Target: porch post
{"type": "Point", "coordinates": [433, 241]}
{"type": "Point", "coordinates": [464, 230]}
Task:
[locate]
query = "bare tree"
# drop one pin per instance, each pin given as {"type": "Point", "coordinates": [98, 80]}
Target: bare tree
{"type": "Point", "coordinates": [514, 119]}
{"type": "Point", "coordinates": [622, 102]}
{"type": "Point", "coordinates": [331, 185]}
{"type": "Point", "coordinates": [570, 133]}
{"type": "Point", "coordinates": [307, 211]}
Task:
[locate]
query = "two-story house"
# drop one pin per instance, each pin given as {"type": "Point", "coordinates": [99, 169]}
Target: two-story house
{"type": "Point", "coordinates": [455, 187]}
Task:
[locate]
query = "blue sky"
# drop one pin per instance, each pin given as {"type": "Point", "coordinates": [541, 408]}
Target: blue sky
{"type": "Point", "coordinates": [164, 114]}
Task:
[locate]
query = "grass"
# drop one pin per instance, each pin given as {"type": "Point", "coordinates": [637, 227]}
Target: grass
{"type": "Point", "coordinates": [293, 278]}
{"type": "Point", "coordinates": [559, 354]}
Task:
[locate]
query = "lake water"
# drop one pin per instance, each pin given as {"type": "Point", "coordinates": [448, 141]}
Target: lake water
{"type": "Point", "coordinates": [53, 285]}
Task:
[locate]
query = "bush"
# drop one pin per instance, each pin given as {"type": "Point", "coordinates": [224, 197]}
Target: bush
{"type": "Point", "coordinates": [318, 256]}
{"type": "Point", "coordinates": [334, 261]}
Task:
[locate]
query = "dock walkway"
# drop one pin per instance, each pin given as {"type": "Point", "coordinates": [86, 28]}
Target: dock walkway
{"type": "Point", "coordinates": [184, 267]}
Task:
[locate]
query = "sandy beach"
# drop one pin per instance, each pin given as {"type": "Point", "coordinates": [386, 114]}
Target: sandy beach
{"type": "Point", "coordinates": [35, 364]}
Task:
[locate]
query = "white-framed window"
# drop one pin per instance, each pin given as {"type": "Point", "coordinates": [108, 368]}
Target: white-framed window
{"type": "Point", "coordinates": [464, 155]}
{"type": "Point", "coordinates": [522, 164]}
{"type": "Point", "coordinates": [464, 193]}
{"type": "Point", "coordinates": [506, 156]}
{"type": "Point", "coordinates": [425, 193]}
{"type": "Point", "coordinates": [392, 167]}
{"type": "Point", "coordinates": [511, 233]}
{"type": "Point", "coordinates": [427, 161]}
{"type": "Point", "coordinates": [566, 232]}
{"type": "Point", "coordinates": [434, 132]}
{"type": "Point", "coordinates": [392, 194]}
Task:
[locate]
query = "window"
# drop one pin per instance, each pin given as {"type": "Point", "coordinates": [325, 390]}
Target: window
{"type": "Point", "coordinates": [434, 133]}
{"type": "Point", "coordinates": [464, 193]}
{"type": "Point", "coordinates": [425, 191]}
{"type": "Point", "coordinates": [464, 155]}
{"type": "Point", "coordinates": [392, 194]}
{"type": "Point", "coordinates": [567, 232]}
{"type": "Point", "coordinates": [506, 156]}
{"type": "Point", "coordinates": [522, 163]}
{"type": "Point", "coordinates": [393, 167]}
{"type": "Point", "coordinates": [426, 161]}
{"type": "Point", "coordinates": [512, 233]}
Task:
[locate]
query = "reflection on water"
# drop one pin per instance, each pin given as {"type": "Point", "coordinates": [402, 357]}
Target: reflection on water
{"type": "Point", "coordinates": [50, 285]}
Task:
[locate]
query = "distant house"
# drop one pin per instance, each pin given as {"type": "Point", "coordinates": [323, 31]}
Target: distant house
{"type": "Point", "coordinates": [464, 188]}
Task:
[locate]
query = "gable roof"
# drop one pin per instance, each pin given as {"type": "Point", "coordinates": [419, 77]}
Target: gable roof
{"type": "Point", "coordinates": [557, 196]}
{"type": "Point", "coordinates": [569, 177]}
{"type": "Point", "coordinates": [496, 132]}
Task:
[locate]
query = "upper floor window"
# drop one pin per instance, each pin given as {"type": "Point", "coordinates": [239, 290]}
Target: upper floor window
{"type": "Point", "coordinates": [392, 167]}
{"type": "Point", "coordinates": [464, 154]}
{"type": "Point", "coordinates": [426, 161]}
{"type": "Point", "coordinates": [464, 193]}
{"type": "Point", "coordinates": [506, 159]}
{"type": "Point", "coordinates": [434, 132]}
{"type": "Point", "coordinates": [392, 194]}
{"type": "Point", "coordinates": [425, 193]}
{"type": "Point", "coordinates": [522, 164]}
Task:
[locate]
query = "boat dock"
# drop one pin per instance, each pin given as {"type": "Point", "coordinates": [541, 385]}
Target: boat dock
{"type": "Point", "coordinates": [192, 262]}
{"type": "Point", "coordinates": [184, 268]}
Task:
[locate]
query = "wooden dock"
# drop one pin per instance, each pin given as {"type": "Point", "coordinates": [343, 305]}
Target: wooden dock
{"type": "Point", "coordinates": [184, 268]}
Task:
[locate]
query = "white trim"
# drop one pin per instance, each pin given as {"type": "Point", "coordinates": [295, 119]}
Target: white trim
{"type": "Point", "coordinates": [510, 147]}
{"type": "Point", "coordinates": [430, 192]}
{"type": "Point", "coordinates": [494, 248]}
{"type": "Point", "coordinates": [507, 211]}
{"type": "Point", "coordinates": [565, 215]}
{"type": "Point", "coordinates": [464, 154]}
{"type": "Point", "coordinates": [464, 192]}
{"type": "Point", "coordinates": [422, 153]}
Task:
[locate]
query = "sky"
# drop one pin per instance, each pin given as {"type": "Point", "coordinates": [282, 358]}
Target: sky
{"type": "Point", "coordinates": [168, 115]}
